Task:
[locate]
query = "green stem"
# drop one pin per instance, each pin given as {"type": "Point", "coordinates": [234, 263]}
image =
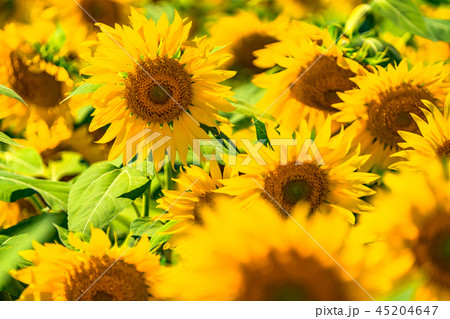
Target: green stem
{"type": "Point", "coordinates": [136, 209]}
{"type": "Point", "coordinates": [146, 201]}
{"type": "Point", "coordinates": [168, 175]}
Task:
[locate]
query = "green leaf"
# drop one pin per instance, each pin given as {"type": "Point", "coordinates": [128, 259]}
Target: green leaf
{"type": "Point", "coordinates": [26, 161]}
{"type": "Point", "coordinates": [101, 193]}
{"type": "Point", "coordinates": [63, 234]}
{"type": "Point", "coordinates": [14, 186]}
{"type": "Point", "coordinates": [145, 225]}
{"type": "Point", "coordinates": [84, 88]}
{"type": "Point", "coordinates": [406, 15]}
{"type": "Point", "coordinates": [10, 93]}
{"type": "Point", "coordinates": [261, 132]}
{"type": "Point", "coordinates": [440, 28]}
{"type": "Point", "coordinates": [7, 140]}
{"type": "Point", "coordinates": [70, 164]}
{"type": "Point", "coordinates": [159, 238]}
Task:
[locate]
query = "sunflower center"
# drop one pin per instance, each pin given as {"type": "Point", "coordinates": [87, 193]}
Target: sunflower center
{"type": "Point", "coordinates": [207, 200]}
{"type": "Point", "coordinates": [319, 84]}
{"type": "Point", "coordinates": [104, 11]}
{"type": "Point", "coordinates": [244, 49]}
{"type": "Point", "coordinates": [41, 89]}
{"type": "Point", "coordinates": [290, 184]}
{"type": "Point", "coordinates": [122, 282]}
{"type": "Point", "coordinates": [158, 90]}
{"type": "Point", "coordinates": [392, 113]}
{"type": "Point", "coordinates": [287, 276]}
{"type": "Point", "coordinates": [433, 248]}
{"type": "Point", "coordinates": [444, 149]}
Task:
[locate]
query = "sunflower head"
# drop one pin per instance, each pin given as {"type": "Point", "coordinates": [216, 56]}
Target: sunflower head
{"type": "Point", "coordinates": [94, 271]}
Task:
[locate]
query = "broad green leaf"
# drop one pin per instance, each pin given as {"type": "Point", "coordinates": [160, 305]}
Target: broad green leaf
{"type": "Point", "coordinates": [14, 186]}
{"type": "Point", "coordinates": [406, 15]}
{"type": "Point", "coordinates": [20, 237]}
{"type": "Point", "coordinates": [440, 28]}
{"type": "Point", "coordinates": [84, 88]}
{"type": "Point", "coordinates": [145, 225]}
{"type": "Point", "coordinates": [7, 140]}
{"type": "Point", "coordinates": [70, 164]}
{"type": "Point", "coordinates": [26, 161]}
{"type": "Point", "coordinates": [10, 93]}
{"type": "Point", "coordinates": [101, 193]}
{"type": "Point", "coordinates": [159, 238]}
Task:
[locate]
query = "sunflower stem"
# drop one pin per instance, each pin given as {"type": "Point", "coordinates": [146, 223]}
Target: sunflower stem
{"type": "Point", "coordinates": [146, 201]}
{"type": "Point", "coordinates": [136, 209]}
{"type": "Point", "coordinates": [168, 174]}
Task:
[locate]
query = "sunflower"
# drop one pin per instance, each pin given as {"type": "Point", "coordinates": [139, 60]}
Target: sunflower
{"type": "Point", "coordinates": [412, 221]}
{"type": "Point", "coordinates": [254, 255]}
{"type": "Point", "coordinates": [286, 176]}
{"type": "Point", "coordinates": [309, 83]}
{"type": "Point", "coordinates": [303, 8]}
{"type": "Point", "coordinates": [243, 34]}
{"type": "Point", "coordinates": [169, 91]}
{"type": "Point", "coordinates": [13, 213]}
{"type": "Point", "coordinates": [59, 273]}
{"type": "Point", "coordinates": [195, 189]}
{"type": "Point", "coordinates": [382, 105]}
{"type": "Point", "coordinates": [41, 83]}
{"type": "Point", "coordinates": [433, 140]}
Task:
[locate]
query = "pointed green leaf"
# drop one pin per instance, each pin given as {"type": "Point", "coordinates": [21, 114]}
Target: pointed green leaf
{"type": "Point", "coordinates": [7, 140]}
{"type": "Point", "coordinates": [84, 88]}
{"type": "Point", "coordinates": [10, 93]}
{"type": "Point", "coordinates": [159, 238]}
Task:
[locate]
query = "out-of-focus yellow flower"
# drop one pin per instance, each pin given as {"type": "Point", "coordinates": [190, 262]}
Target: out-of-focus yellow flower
{"type": "Point", "coordinates": [243, 34]}
{"type": "Point", "coordinates": [306, 8]}
{"type": "Point", "coordinates": [40, 82]}
{"type": "Point", "coordinates": [13, 213]}
{"type": "Point", "coordinates": [253, 254]}
{"type": "Point", "coordinates": [59, 273]}
{"type": "Point", "coordinates": [382, 104]}
{"type": "Point", "coordinates": [289, 175]}
{"type": "Point", "coordinates": [432, 142]}
{"type": "Point", "coordinates": [412, 223]}
{"type": "Point", "coordinates": [309, 85]}
{"type": "Point", "coordinates": [172, 90]}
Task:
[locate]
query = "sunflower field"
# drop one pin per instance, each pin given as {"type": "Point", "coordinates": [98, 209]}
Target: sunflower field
{"type": "Point", "coordinates": [225, 150]}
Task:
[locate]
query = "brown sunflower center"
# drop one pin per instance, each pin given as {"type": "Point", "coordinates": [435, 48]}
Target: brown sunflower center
{"type": "Point", "coordinates": [41, 89]}
{"type": "Point", "coordinates": [392, 113]}
{"type": "Point", "coordinates": [444, 149]}
{"type": "Point", "coordinates": [207, 200]}
{"type": "Point", "coordinates": [158, 90]}
{"type": "Point", "coordinates": [318, 86]}
{"type": "Point", "coordinates": [433, 248]}
{"type": "Point", "coordinates": [290, 184]}
{"type": "Point", "coordinates": [286, 276]}
{"type": "Point", "coordinates": [244, 49]}
{"type": "Point", "coordinates": [121, 282]}
{"type": "Point", "coordinates": [104, 11]}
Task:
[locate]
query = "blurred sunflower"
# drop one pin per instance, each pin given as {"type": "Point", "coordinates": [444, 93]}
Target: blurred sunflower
{"type": "Point", "coordinates": [244, 34]}
{"type": "Point", "coordinates": [169, 91]}
{"type": "Point", "coordinates": [13, 213]}
{"type": "Point", "coordinates": [59, 273]}
{"type": "Point", "coordinates": [289, 176]}
{"type": "Point", "coordinates": [40, 82]}
{"type": "Point", "coordinates": [433, 140]}
{"type": "Point", "coordinates": [253, 254]}
{"type": "Point", "coordinates": [382, 105]}
{"type": "Point", "coordinates": [304, 8]}
{"type": "Point", "coordinates": [186, 206]}
{"type": "Point", "coordinates": [412, 221]}
{"type": "Point", "coordinates": [309, 84]}
{"type": "Point", "coordinates": [14, 11]}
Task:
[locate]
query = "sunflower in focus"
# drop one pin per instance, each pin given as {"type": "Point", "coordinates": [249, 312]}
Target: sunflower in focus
{"type": "Point", "coordinates": [59, 273]}
{"type": "Point", "coordinates": [169, 91]}
{"type": "Point", "coordinates": [254, 255]}
{"type": "Point", "coordinates": [382, 105]}
{"type": "Point", "coordinates": [412, 221]}
{"type": "Point", "coordinates": [195, 190]}
{"type": "Point", "coordinates": [13, 213]}
{"type": "Point", "coordinates": [243, 34]}
{"type": "Point", "coordinates": [309, 83]}
{"type": "Point", "coordinates": [39, 81]}
{"type": "Point", "coordinates": [433, 140]}
{"type": "Point", "coordinates": [327, 180]}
